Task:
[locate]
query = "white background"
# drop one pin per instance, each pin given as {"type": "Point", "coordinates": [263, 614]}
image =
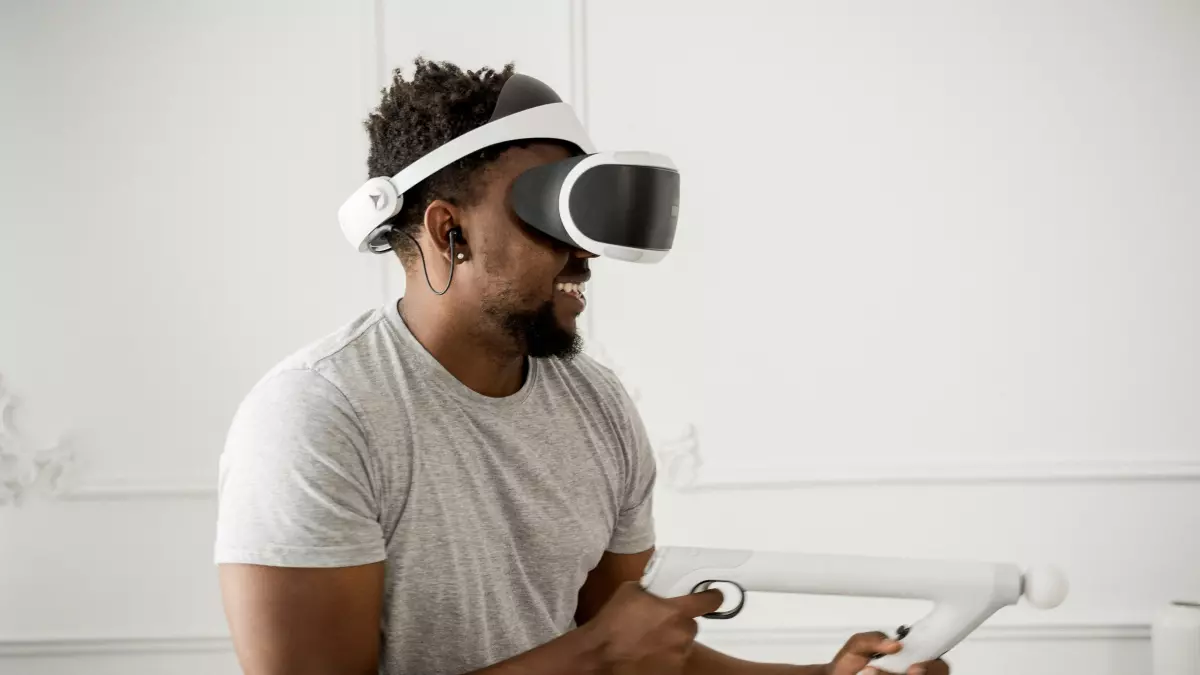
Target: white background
{"type": "Point", "coordinates": [934, 294]}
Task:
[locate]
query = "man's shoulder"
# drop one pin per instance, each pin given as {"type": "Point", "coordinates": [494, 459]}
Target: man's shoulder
{"type": "Point", "coordinates": [341, 344]}
{"type": "Point", "coordinates": [325, 363]}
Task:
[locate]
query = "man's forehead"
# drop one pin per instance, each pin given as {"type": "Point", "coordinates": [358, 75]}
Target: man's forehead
{"type": "Point", "coordinates": [516, 161]}
{"type": "Point", "coordinates": [535, 154]}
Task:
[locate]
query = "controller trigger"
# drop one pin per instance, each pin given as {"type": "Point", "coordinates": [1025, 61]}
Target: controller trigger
{"type": "Point", "coordinates": [901, 633]}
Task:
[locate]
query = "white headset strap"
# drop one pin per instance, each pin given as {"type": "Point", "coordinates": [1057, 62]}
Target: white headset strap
{"type": "Point", "coordinates": [552, 120]}
{"type": "Point", "coordinates": [380, 198]}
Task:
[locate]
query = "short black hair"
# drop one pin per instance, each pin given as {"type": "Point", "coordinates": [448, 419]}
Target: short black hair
{"type": "Point", "coordinates": [440, 103]}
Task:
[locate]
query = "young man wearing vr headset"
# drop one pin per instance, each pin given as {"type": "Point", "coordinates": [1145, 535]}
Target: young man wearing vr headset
{"type": "Point", "coordinates": [448, 485]}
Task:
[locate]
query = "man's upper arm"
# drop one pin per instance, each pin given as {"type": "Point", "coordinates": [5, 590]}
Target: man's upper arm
{"type": "Point", "coordinates": [298, 542]}
{"type": "Point", "coordinates": [304, 621]}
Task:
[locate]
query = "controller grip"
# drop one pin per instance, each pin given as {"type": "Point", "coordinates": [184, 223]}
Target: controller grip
{"type": "Point", "coordinates": [933, 635]}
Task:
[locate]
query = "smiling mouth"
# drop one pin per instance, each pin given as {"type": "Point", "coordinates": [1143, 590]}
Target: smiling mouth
{"type": "Point", "coordinates": [575, 290]}
{"type": "Point", "coordinates": [570, 288]}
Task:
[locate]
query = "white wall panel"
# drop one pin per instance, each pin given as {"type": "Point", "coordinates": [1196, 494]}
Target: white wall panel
{"type": "Point", "coordinates": [944, 232]}
{"type": "Point", "coordinates": [934, 295]}
{"type": "Point", "coordinates": [168, 231]}
{"type": "Point", "coordinates": [173, 172]}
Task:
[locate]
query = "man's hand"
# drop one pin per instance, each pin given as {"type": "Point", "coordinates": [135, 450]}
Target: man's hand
{"type": "Point", "coordinates": [642, 633]}
{"type": "Point", "coordinates": [855, 657]}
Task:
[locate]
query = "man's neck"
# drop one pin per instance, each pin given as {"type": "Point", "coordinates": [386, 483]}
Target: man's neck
{"type": "Point", "coordinates": [488, 367]}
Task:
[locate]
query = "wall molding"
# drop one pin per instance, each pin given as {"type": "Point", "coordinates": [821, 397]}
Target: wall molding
{"type": "Point", "coordinates": [682, 469]}
{"type": "Point", "coordinates": [577, 96]}
{"type": "Point", "coordinates": [137, 492]}
{"type": "Point", "coordinates": [578, 60]}
{"type": "Point", "coordinates": [51, 646]}
{"type": "Point", "coordinates": [685, 469]}
{"type": "Point", "coordinates": [89, 646]}
{"type": "Point", "coordinates": [26, 467]}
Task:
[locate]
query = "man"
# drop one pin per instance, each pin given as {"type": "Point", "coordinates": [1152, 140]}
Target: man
{"type": "Point", "coordinates": [447, 484]}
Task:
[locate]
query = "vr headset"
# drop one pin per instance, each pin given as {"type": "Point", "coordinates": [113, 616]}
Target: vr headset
{"type": "Point", "coordinates": [623, 205]}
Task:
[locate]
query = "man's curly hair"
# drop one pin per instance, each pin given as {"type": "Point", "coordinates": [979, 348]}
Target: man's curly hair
{"type": "Point", "coordinates": [441, 103]}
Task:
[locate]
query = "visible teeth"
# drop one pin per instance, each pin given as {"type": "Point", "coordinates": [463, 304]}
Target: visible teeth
{"type": "Point", "coordinates": [559, 285]}
{"type": "Point", "coordinates": [569, 287]}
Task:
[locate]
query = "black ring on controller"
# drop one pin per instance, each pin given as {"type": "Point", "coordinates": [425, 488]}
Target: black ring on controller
{"type": "Point", "coordinates": [704, 586]}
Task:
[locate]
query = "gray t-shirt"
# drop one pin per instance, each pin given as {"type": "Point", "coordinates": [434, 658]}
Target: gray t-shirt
{"type": "Point", "coordinates": [489, 512]}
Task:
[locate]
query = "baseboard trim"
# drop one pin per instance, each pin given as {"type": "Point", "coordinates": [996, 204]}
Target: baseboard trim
{"type": "Point", "coordinates": [705, 479]}
{"type": "Point", "coordinates": [685, 468]}
{"type": "Point", "coordinates": [1030, 632]}
{"type": "Point", "coordinates": [117, 492]}
{"type": "Point", "coordinates": [931, 473]}
{"type": "Point", "coordinates": [91, 646]}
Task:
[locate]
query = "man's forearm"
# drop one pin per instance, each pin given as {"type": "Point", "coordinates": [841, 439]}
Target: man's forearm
{"type": "Point", "coordinates": [708, 661]}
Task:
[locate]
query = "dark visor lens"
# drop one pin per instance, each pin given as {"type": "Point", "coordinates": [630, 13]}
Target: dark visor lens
{"type": "Point", "coordinates": [627, 205]}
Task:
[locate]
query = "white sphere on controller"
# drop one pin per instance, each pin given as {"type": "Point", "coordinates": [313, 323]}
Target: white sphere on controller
{"type": "Point", "coordinates": [1045, 586]}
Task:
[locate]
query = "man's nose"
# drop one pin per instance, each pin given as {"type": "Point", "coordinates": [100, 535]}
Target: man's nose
{"type": "Point", "coordinates": [580, 253]}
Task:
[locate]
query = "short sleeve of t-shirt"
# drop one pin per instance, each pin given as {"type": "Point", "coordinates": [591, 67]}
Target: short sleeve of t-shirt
{"type": "Point", "coordinates": [294, 485]}
{"type": "Point", "coordinates": [634, 531]}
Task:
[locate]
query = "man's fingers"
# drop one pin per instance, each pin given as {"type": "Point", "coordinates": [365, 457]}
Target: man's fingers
{"type": "Point", "coordinates": [870, 644]}
{"type": "Point", "coordinates": [860, 650]}
{"type": "Point", "coordinates": [697, 604]}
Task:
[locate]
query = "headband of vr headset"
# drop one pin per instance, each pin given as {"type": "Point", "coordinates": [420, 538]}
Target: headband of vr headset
{"type": "Point", "coordinates": [623, 205]}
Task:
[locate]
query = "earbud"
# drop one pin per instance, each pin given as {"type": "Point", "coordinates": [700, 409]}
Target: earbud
{"type": "Point", "coordinates": [455, 236]}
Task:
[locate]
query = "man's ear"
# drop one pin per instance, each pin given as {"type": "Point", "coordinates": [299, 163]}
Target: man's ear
{"type": "Point", "coordinates": [442, 217]}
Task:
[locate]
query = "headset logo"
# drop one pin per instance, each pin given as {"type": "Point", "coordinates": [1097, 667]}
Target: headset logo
{"type": "Point", "coordinates": [378, 200]}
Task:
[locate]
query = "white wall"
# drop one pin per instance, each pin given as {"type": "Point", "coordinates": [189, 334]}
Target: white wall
{"type": "Point", "coordinates": [934, 292]}
{"type": "Point", "coordinates": [171, 176]}
{"type": "Point", "coordinates": [936, 296]}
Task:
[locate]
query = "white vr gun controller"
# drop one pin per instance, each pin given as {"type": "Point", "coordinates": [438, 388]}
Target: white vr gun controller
{"type": "Point", "coordinates": [964, 594]}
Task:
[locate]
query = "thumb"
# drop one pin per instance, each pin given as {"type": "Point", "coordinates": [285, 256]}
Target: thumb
{"type": "Point", "coordinates": [697, 604]}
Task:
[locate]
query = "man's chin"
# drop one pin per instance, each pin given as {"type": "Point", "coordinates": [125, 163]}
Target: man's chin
{"type": "Point", "coordinates": [563, 343]}
{"type": "Point", "coordinates": [568, 325]}
{"type": "Point", "coordinates": [568, 309]}
{"type": "Point", "coordinates": [548, 332]}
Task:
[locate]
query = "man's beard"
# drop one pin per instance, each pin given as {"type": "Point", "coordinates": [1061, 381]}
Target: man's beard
{"type": "Point", "coordinates": [539, 331]}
